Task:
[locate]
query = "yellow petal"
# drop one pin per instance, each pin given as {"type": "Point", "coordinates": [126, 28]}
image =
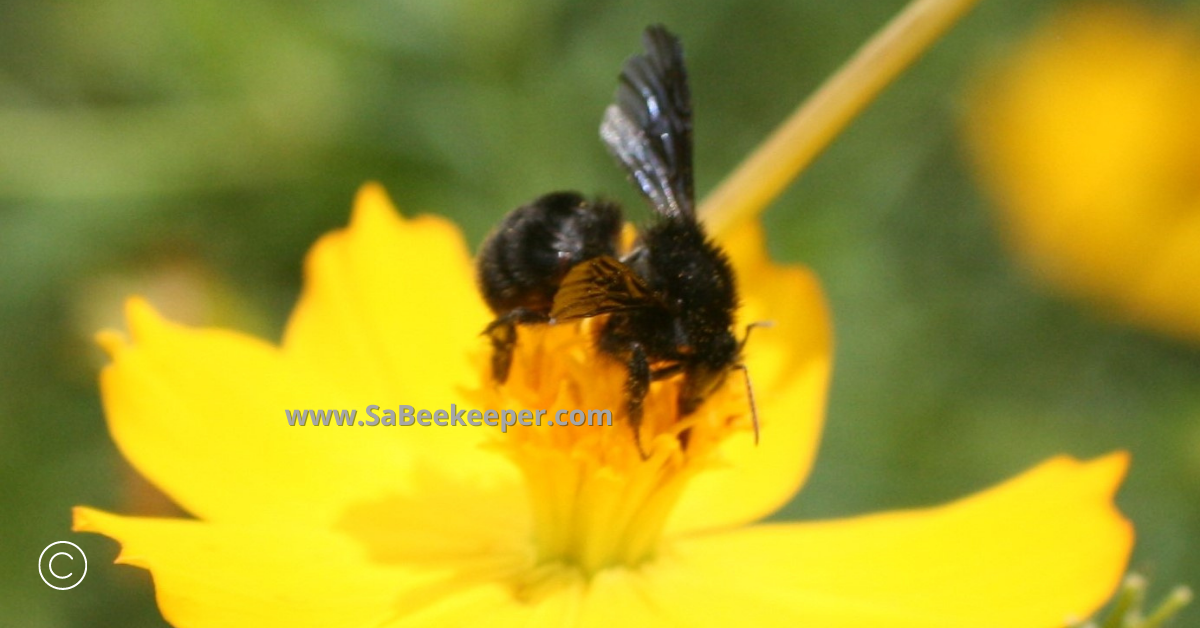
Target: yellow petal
{"type": "Point", "coordinates": [789, 364]}
{"type": "Point", "coordinates": [1049, 545]}
{"type": "Point", "coordinates": [1044, 547]}
{"type": "Point", "coordinates": [201, 413]}
{"type": "Point", "coordinates": [227, 576]}
{"type": "Point", "coordinates": [495, 604]}
{"type": "Point", "coordinates": [389, 308]}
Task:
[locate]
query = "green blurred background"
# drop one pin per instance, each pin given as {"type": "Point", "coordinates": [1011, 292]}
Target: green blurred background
{"type": "Point", "coordinates": [193, 151]}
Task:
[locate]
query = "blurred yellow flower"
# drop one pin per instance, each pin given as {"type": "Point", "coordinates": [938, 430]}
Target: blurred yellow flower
{"type": "Point", "coordinates": [563, 526]}
{"type": "Point", "coordinates": [1088, 139]}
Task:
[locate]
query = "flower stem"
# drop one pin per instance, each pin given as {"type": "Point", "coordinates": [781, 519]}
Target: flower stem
{"type": "Point", "coordinates": [766, 173]}
{"type": "Point", "coordinates": [1179, 598]}
{"type": "Point", "coordinates": [1127, 609]}
{"type": "Point", "coordinates": [1129, 601]}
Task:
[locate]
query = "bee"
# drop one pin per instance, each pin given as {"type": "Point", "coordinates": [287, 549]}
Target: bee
{"type": "Point", "coordinates": [670, 300]}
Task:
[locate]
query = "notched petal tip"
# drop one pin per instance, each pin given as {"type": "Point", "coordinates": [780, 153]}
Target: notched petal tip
{"type": "Point", "coordinates": [85, 519]}
{"type": "Point", "coordinates": [81, 519]}
{"type": "Point", "coordinates": [1099, 478]}
{"type": "Point", "coordinates": [111, 342]}
{"type": "Point", "coordinates": [1106, 474]}
{"type": "Point", "coordinates": [1108, 470]}
{"type": "Point", "coordinates": [375, 212]}
{"type": "Point", "coordinates": [1095, 479]}
{"type": "Point", "coordinates": [142, 318]}
{"type": "Point", "coordinates": [371, 202]}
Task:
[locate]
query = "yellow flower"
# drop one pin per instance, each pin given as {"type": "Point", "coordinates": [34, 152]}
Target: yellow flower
{"type": "Point", "coordinates": [1088, 139]}
{"type": "Point", "coordinates": [555, 526]}
{"type": "Point", "coordinates": [366, 526]}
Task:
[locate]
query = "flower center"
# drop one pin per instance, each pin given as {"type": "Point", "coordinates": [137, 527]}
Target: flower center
{"type": "Point", "coordinates": [597, 500]}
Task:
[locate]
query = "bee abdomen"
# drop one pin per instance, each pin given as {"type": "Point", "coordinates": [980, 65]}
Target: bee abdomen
{"type": "Point", "coordinates": [522, 263]}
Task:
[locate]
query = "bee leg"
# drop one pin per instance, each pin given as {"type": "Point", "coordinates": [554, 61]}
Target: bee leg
{"type": "Point", "coordinates": [670, 371]}
{"type": "Point", "coordinates": [750, 398]}
{"type": "Point", "coordinates": [637, 385]}
{"type": "Point", "coordinates": [686, 403]}
{"type": "Point", "coordinates": [666, 371]}
{"type": "Point", "coordinates": [503, 334]}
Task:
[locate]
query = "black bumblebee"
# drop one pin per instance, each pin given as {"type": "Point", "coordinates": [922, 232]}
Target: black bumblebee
{"type": "Point", "coordinates": [670, 300]}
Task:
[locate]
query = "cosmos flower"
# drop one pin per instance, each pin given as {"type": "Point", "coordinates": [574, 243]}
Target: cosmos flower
{"type": "Point", "coordinates": [1088, 141]}
{"type": "Point", "coordinates": [556, 526]}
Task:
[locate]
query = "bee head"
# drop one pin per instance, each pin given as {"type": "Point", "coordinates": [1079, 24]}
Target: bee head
{"type": "Point", "coordinates": [707, 368]}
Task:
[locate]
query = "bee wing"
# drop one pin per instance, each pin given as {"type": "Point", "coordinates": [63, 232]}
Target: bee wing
{"type": "Point", "coordinates": [648, 128]}
{"type": "Point", "coordinates": [600, 285]}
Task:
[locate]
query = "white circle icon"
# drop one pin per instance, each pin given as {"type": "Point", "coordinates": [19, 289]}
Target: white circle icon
{"type": "Point", "coordinates": [64, 565]}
